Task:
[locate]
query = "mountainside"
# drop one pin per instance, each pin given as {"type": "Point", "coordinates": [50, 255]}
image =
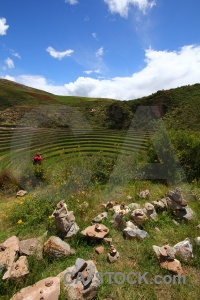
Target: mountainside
{"type": "Point", "coordinates": [178, 107]}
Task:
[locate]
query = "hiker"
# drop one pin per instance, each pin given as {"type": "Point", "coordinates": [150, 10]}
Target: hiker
{"type": "Point", "coordinates": [37, 159]}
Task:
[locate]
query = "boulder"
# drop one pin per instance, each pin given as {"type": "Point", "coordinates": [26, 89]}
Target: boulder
{"type": "Point", "coordinates": [138, 216]}
{"type": "Point", "coordinates": [96, 231]}
{"type": "Point", "coordinates": [55, 247]}
{"type": "Point", "coordinates": [8, 251]}
{"type": "Point", "coordinates": [166, 258]}
{"type": "Point", "coordinates": [18, 269]}
{"type": "Point", "coordinates": [135, 233]}
{"type": "Point", "coordinates": [118, 220]}
{"type": "Point", "coordinates": [184, 249]}
{"type": "Point", "coordinates": [48, 288]}
{"type": "Point", "coordinates": [100, 217]}
{"type": "Point", "coordinates": [80, 281]}
{"type": "Point", "coordinates": [144, 194]}
{"type": "Point", "coordinates": [31, 246]}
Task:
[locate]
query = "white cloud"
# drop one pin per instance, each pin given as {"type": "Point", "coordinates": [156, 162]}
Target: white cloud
{"type": "Point", "coordinates": [71, 2]}
{"type": "Point", "coordinates": [9, 63]}
{"type": "Point", "coordinates": [38, 82]}
{"type": "Point", "coordinates": [3, 26]}
{"type": "Point", "coordinates": [163, 70]}
{"type": "Point", "coordinates": [59, 55]}
{"type": "Point", "coordinates": [16, 55]}
{"type": "Point", "coordinates": [95, 36]}
{"type": "Point", "coordinates": [88, 72]}
{"type": "Point", "coordinates": [8, 77]}
{"type": "Point", "coordinates": [122, 6]}
{"type": "Point", "coordinates": [99, 52]}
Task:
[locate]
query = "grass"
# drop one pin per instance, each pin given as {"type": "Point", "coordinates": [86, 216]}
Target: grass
{"type": "Point", "coordinates": [34, 210]}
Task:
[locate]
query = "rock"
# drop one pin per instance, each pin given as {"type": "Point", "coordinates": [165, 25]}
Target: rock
{"type": "Point", "coordinates": [109, 205]}
{"type": "Point", "coordinates": [107, 241]}
{"type": "Point", "coordinates": [144, 194]}
{"type": "Point", "coordinates": [85, 285]}
{"type": "Point", "coordinates": [12, 242]}
{"type": "Point", "coordinates": [185, 213]}
{"type": "Point", "coordinates": [197, 241]}
{"type": "Point", "coordinates": [99, 250]}
{"type": "Point", "coordinates": [173, 204]}
{"type": "Point", "coordinates": [134, 205]}
{"type": "Point", "coordinates": [65, 220]}
{"type": "Point", "coordinates": [134, 233]}
{"type": "Point", "coordinates": [9, 250]}
{"type": "Point", "coordinates": [131, 225]}
{"type": "Point", "coordinates": [177, 197]}
{"type": "Point", "coordinates": [113, 254]}
{"type": "Point", "coordinates": [150, 211]}
{"type": "Point", "coordinates": [166, 258]}
{"type": "Point", "coordinates": [160, 205]}
{"type": "Point", "coordinates": [121, 208]}
{"type": "Point", "coordinates": [18, 269]}
{"type": "Point", "coordinates": [21, 193]}
{"type": "Point", "coordinates": [184, 249]}
{"type": "Point", "coordinates": [100, 217]}
{"type": "Point", "coordinates": [31, 246]}
{"type": "Point", "coordinates": [79, 266]}
{"type": "Point", "coordinates": [48, 288]}
{"type": "Point", "coordinates": [72, 231]}
{"type": "Point", "coordinates": [138, 216]}
{"type": "Point", "coordinates": [175, 222]}
{"type": "Point", "coordinates": [55, 247]}
{"type": "Point", "coordinates": [96, 231]}
{"type": "Point", "coordinates": [129, 197]}
{"type": "Point", "coordinates": [118, 220]}
{"type": "Point", "coordinates": [157, 229]}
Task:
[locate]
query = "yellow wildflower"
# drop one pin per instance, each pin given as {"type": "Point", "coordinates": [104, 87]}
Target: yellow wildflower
{"type": "Point", "coordinates": [19, 221]}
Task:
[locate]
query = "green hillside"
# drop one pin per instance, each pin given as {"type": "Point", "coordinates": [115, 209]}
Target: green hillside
{"type": "Point", "coordinates": [178, 107]}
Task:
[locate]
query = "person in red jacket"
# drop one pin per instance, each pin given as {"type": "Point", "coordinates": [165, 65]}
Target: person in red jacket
{"type": "Point", "coordinates": [37, 159]}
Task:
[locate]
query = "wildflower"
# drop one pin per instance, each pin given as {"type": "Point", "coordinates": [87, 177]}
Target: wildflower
{"type": "Point", "coordinates": [50, 217]}
{"type": "Point", "coordinates": [83, 192]}
{"type": "Point", "coordinates": [21, 202]}
{"type": "Point", "coordinates": [19, 221]}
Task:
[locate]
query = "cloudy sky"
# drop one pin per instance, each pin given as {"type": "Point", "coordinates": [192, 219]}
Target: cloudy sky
{"type": "Point", "coordinates": [122, 49]}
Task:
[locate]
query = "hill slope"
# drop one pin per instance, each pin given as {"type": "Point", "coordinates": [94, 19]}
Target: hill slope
{"type": "Point", "coordinates": [178, 107]}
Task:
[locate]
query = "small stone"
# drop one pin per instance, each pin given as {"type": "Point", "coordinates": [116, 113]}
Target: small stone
{"type": "Point", "coordinates": [21, 193]}
{"type": "Point", "coordinates": [107, 241]}
{"type": "Point", "coordinates": [157, 229]}
{"type": "Point", "coordinates": [197, 240]}
{"type": "Point", "coordinates": [99, 250]}
{"type": "Point", "coordinates": [49, 282]}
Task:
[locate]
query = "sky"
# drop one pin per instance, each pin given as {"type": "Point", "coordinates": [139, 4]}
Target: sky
{"type": "Point", "coordinates": [120, 49]}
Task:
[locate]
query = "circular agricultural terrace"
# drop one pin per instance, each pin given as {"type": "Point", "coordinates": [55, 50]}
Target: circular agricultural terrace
{"type": "Point", "coordinates": [19, 145]}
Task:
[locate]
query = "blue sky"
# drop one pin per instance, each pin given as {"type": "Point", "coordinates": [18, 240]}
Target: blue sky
{"type": "Point", "coordinates": [122, 49]}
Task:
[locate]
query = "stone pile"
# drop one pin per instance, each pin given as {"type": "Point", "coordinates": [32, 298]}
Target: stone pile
{"type": "Point", "coordinates": [96, 231]}
{"type": "Point", "coordinates": [65, 220]}
{"type": "Point", "coordinates": [80, 281]}
{"type": "Point", "coordinates": [113, 255]}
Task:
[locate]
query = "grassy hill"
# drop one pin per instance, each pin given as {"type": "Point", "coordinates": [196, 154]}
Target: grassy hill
{"type": "Point", "coordinates": [178, 107]}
